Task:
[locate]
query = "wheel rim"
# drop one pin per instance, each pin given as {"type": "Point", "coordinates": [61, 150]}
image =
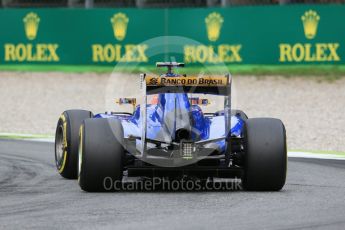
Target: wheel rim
{"type": "Point", "coordinates": [59, 147]}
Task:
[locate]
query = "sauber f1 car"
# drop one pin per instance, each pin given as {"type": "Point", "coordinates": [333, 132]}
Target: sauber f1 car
{"type": "Point", "coordinates": [170, 135]}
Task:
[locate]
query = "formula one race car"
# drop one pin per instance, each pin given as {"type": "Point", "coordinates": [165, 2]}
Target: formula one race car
{"type": "Point", "coordinates": [172, 137]}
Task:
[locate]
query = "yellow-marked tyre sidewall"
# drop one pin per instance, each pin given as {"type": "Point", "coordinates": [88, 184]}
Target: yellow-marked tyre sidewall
{"type": "Point", "coordinates": [71, 121]}
{"type": "Point", "coordinates": [65, 144]}
{"type": "Point", "coordinates": [80, 151]}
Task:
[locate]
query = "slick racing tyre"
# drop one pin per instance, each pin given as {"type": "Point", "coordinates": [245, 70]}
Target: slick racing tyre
{"type": "Point", "coordinates": [265, 160]}
{"type": "Point", "coordinates": [101, 155]}
{"type": "Point", "coordinates": [67, 141]}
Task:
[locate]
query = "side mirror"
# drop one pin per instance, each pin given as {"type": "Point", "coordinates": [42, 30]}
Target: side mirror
{"type": "Point", "coordinates": [127, 101]}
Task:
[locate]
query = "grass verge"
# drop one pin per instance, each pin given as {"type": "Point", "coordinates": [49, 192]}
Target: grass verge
{"type": "Point", "coordinates": [332, 71]}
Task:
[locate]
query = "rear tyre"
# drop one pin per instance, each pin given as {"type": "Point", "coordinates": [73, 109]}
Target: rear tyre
{"type": "Point", "coordinates": [265, 156]}
{"type": "Point", "coordinates": [67, 141]}
{"type": "Point", "coordinates": [101, 155]}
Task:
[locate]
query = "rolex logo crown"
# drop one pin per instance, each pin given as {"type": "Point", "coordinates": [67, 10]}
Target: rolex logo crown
{"type": "Point", "coordinates": [214, 23]}
{"type": "Point", "coordinates": [310, 21]}
{"type": "Point", "coordinates": [119, 22]}
{"type": "Point", "coordinates": [31, 22]}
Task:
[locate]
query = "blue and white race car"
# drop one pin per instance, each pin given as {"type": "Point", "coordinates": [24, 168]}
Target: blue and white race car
{"type": "Point", "coordinates": [172, 137]}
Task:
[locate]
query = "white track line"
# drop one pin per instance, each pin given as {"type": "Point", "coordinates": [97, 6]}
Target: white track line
{"type": "Point", "coordinates": [315, 155]}
{"type": "Point", "coordinates": [48, 140]}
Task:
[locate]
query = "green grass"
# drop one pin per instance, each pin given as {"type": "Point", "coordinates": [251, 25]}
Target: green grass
{"type": "Point", "coordinates": [283, 70]}
{"type": "Point", "coordinates": [57, 68]}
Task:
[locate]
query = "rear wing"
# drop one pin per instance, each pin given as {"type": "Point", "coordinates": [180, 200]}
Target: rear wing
{"type": "Point", "coordinates": [216, 85]}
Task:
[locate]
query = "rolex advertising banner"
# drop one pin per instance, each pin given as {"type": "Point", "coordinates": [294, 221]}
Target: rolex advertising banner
{"type": "Point", "coordinates": [299, 34]}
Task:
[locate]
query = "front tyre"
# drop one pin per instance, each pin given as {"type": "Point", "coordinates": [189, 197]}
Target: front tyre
{"type": "Point", "coordinates": [265, 155]}
{"type": "Point", "coordinates": [67, 141]}
{"type": "Point", "coordinates": [101, 155]}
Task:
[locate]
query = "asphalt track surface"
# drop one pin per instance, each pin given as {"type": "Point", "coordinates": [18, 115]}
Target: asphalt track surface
{"type": "Point", "coordinates": [33, 195]}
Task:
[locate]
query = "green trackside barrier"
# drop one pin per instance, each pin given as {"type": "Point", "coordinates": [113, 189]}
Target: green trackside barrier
{"type": "Point", "coordinates": [270, 35]}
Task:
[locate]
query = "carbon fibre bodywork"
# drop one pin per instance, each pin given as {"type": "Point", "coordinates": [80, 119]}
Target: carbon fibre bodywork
{"type": "Point", "coordinates": [174, 132]}
{"type": "Point", "coordinates": [204, 126]}
{"type": "Point", "coordinates": [175, 135]}
{"type": "Point", "coordinates": [210, 126]}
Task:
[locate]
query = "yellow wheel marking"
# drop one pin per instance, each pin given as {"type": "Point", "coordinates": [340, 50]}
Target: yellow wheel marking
{"type": "Point", "coordinates": [63, 118]}
{"type": "Point", "coordinates": [63, 163]}
{"type": "Point", "coordinates": [80, 151]}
